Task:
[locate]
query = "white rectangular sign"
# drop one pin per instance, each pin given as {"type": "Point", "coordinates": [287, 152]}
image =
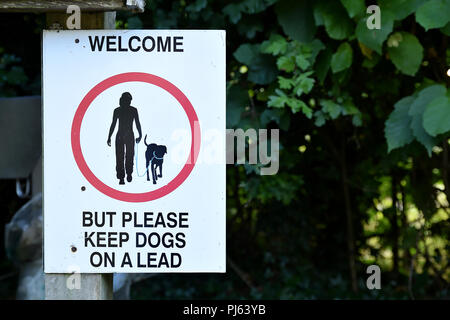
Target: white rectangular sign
{"type": "Point", "coordinates": [134, 151]}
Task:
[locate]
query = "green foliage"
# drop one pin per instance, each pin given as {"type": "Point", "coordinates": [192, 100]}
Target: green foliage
{"type": "Point", "coordinates": [296, 19]}
{"type": "Point", "coordinates": [314, 70]}
{"type": "Point", "coordinates": [323, 65]}
{"type": "Point", "coordinates": [355, 8]}
{"type": "Point", "coordinates": [235, 10]}
{"type": "Point", "coordinates": [295, 61]}
{"type": "Point", "coordinates": [406, 52]}
{"type": "Point", "coordinates": [424, 97]}
{"type": "Point", "coordinates": [261, 68]}
{"type": "Point", "coordinates": [268, 188]}
{"type": "Point", "coordinates": [236, 98]}
{"type": "Point", "coordinates": [436, 118]}
{"type": "Point", "coordinates": [281, 118]}
{"type": "Point", "coordinates": [433, 14]}
{"type": "Point", "coordinates": [335, 19]}
{"type": "Point", "coordinates": [331, 108]}
{"type": "Point", "coordinates": [446, 30]}
{"type": "Point", "coordinates": [342, 59]}
{"type": "Point", "coordinates": [426, 117]}
{"type": "Point", "coordinates": [400, 8]}
{"type": "Point", "coordinates": [398, 127]}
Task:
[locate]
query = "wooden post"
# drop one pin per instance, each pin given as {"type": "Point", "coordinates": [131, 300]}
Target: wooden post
{"type": "Point", "coordinates": [95, 286]}
{"type": "Point", "coordinates": [88, 286]}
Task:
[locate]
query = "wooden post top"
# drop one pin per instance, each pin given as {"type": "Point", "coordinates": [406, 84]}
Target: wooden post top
{"type": "Point", "coordinates": [61, 5]}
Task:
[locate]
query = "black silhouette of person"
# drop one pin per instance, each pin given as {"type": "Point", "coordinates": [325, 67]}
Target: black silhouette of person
{"type": "Point", "coordinates": [125, 114]}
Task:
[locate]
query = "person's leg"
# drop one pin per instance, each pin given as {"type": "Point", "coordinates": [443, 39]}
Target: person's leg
{"type": "Point", "coordinates": [129, 157]}
{"type": "Point", "coordinates": [147, 163]}
{"type": "Point", "coordinates": [120, 170]}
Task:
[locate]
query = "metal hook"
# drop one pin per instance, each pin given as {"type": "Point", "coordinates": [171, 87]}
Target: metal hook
{"type": "Point", "coordinates": [19, 190]}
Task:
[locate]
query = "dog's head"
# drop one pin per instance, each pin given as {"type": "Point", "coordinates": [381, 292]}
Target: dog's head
{"type": "Point", "coordinates": [160, 151]}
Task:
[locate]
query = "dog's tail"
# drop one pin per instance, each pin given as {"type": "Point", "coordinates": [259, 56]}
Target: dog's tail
{"type": "Point", "coordinates": [145, 138]}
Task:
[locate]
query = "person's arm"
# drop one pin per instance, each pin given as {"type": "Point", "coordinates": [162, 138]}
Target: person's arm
{"type": "Point", "coordinates": [113, 126]}
{"type": "Point", "coordinates": [138, 126]}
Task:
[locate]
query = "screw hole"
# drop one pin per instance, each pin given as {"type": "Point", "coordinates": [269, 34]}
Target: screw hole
{"type": "Point", "coordinates": [83, 188]}
{"type": "Point", "coordinates": [73, 249]}
{"type": "Point", "coordinates": [77, 40]}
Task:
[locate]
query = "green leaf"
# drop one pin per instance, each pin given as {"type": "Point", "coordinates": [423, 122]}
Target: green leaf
{"type": "Point", "coordinates": [286, 63]}
{"type": "Point", "coordinates": [421, 135]}
{"type": "Point", "coordinates": [296, 105]}
{"type": "Point", "coordinates": [433, 14]}
{"type": "Point", "coordinates": [250, 27]}
{"type": "Point", "coordinates": [302, 62]}
{"type": "Point", "coordinates": [304, 85]}
{"type": "Point", "coordinates": [320, 118]}
{"type": "Point", "coordinates": [296, 18]}
{"type": "Point", "coordinates": [281, 117]}
{"type": "Point", "coordinates": [436, 118]}
{"type": "Point", "coordinates": [262, 69]}
{"type": "Point", "coordinates": [237, 99]}
{"type": "Point", "coordinates": [374, 38]}
{"type": "Point", "coordinates": [406, 53]}
{"type": "Point", "coordinates": [400, 8]}
{"type": "Point", "coordinates": [424, 97]}
{"type": "Point", "coordinates": [332, 108]}
{"type": "Point", "coordinates": [285, 83]}
{"type": "Point", "coordinates": [323, 65]}
{"type": "Point", "coordinates": [318, 17]}
{"type": "Point", "coordinates": [307, 111]}
{"type": "Point", "coordinates": [246, 54]}
{"type": "Point", "coordinates": [398, 126]}
{"type": "Point", "coordinates": [357, 120]}
{"type": "Point", "coordinates": [354, 7]}
{"type": "Point", "coordinates": [233, 11]}
{"type": "Point", "coordinates": [337, 23]}
{"type": "Point", "coordinates": [342, 59]}
{"type": "Point", "coordinates": [446, 30]}
{"type": "Point", "coordinates": [276, 45]}
{"type": "Point", "coordinates": [316, 47]}
{"type": "Point", "coordinates": [277, 101]}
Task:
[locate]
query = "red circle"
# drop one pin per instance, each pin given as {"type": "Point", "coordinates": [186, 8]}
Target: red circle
{"type": "Point", "coordinates": [177, 94]}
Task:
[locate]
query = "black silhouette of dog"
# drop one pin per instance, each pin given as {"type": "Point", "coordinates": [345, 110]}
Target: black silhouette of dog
{"type": "Point", "coordinates": [154, 156]}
